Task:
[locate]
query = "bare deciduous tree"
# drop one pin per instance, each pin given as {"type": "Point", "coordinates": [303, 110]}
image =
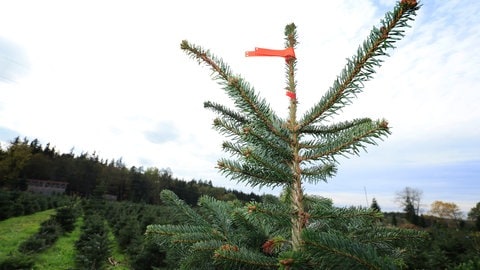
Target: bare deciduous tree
{"type": "Point", "coordinates": [409, 195]}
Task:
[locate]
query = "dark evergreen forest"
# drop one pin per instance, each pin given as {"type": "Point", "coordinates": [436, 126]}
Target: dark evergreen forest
{"type": "Point", "coordinates": [88, 174]}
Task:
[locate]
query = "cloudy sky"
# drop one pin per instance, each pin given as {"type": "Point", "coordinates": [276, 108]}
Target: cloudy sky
{"type": "Point", "coordinates": [109, 77]}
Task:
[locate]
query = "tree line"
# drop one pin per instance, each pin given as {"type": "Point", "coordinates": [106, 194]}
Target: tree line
{"type": "Point", "coordinates": [88, 175]}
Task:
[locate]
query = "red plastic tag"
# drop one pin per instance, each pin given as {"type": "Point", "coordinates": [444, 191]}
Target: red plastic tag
{"type": "Point", "coordinates": [291, 95]}
{"type": "Point", "coordinates": [285, 53]}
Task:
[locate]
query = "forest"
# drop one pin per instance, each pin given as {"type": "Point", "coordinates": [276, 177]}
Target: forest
{"type": "Point", "coordinates": [448, 243]}
{"type": "Point", "coordinates": [88, 173]}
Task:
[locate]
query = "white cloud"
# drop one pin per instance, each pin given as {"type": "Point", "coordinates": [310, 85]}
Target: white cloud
{"type": "Point", "coordinates": [13, 62]}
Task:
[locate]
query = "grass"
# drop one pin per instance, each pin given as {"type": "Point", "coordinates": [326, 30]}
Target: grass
{"type": "Point", "coordinates": [15, 230]}
{"type": "Point", "coordinates": [62, 254]}
{"type": "Point", "coordinates": [117, 255]}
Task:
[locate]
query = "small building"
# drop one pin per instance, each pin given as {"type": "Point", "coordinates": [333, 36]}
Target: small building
{"type": "Point", "coordinates": [46, 187]}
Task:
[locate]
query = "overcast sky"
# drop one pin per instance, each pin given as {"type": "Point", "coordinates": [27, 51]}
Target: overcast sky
{"type": "Point", "coordinates": [109, 77]}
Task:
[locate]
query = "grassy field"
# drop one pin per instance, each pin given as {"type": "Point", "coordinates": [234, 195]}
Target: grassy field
{"type": "Point", "coordinates": [62, 254]}
{"type": "Point", "coordinates": [15, 230]}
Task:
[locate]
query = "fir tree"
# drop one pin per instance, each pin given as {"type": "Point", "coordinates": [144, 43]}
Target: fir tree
{"type": "Point", "coordinates": [394, 219]}
{"type": "Point", "coordinates": [375, 205]}
{"type": "Point", "coordinates": [410, 213]}
{"type": "Point", "coordinates": [295, 231]}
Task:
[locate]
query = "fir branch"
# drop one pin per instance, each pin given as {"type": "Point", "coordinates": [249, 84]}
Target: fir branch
{"type": "Point", "coordinates": [173, 230]}
{"type": "Point", "coordinates": [255, 157]}
{"type": "Point", "coordinates": [242, 94]}
{"type": "Point", "coordinates": [195, 237]}
{"type": "Point", "coordinates": [218, 213]}
{"type": "Point", "coordinates": [240, 258]}
{"type": "Point", "coordinates": [228, 129]}
{"type": "Point", "coordinates": [334, 128]}
{"type": "Point", "coordinates": [247, 172]}
{"type": "Point", "coordinates": [387, 239]}
{"type": "Point", "coordinates": [247, 137]}
{"type": "Point", "coordinates": [317, 202]}
{"type": "Point", "coordinates": [251, 234]}
{"type": "Point", "coordinates": [226, 112]}
{"type": "Point", "coordinates": [197, 258]}
{"type": "Point", "coordinates": [171, 199]}
{"type": "Point", "coordinates": [180, 237]}
{"type": "Point", "coordinates": [335, 250]}
{"type": "Point", "coordinates": [346, 221]}
{"type": "Point", "coordinates": [210, 245]}
{"type": "Point", "coordinates": [275, 149]}
{"type": "Point", "coordinates": [323, 213]}
{"type": "Point", "coordinates": [272, 219]}
{"type": "Point", "coordinates": [321, 172]}
{"type": "Point", "coordinates": [346, 142]}
{"type": "Point", "coordinates": [360, 68]}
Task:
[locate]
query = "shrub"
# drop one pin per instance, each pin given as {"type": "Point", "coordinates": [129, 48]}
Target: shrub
{"type": "Point", "coordinates": [49, 232]}
{"type": "Point", "coordinates": [66, 217]}
{"type": "Point", "coordinates": [6, 208]}
{"type": "Point", "coordinates": [469, 265]}
{"type": "Point", "coordinates": [17, 261]}
{"type": "Point", "coordinates": [151, 256]}
{"type": "Point", "coordinates": [93, 247]}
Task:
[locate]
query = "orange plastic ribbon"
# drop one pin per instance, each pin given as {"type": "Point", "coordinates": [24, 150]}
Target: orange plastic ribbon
{"type": "Point", "coordinates": [285, 53]}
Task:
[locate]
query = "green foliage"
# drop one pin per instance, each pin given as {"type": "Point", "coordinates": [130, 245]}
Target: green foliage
{"type": "Point", "coordinates": [375, 205]}
{"type": "Point", "coordinates": [89, 176]}
{"type": "Point", "coordinates": [267, 151]}
{"type": "Point", "coordinates": [474, 214]}
{"type": "Point", "coordinates": [264, 144]}
{"type": "Point", "coordinates": [410, 200]}
{"type": "Point", "coordinates": [255, 236]}
{"type": "Point", "coordinates": [17, 203]}
{"type": "Point", "coordinates": [213, 231]}
{"type": "Point", "coordinates": [394, 219]}
{"type": "Point", "coordinates": [411, 215]}
{"type": "Point", "coordinates": [17, 261]}
{"type": "Point", "coordinates": [469, 265]}
{"type": "Point", "coordinates": [66, 217]}
{"type": "Point", "coordinates": [128, 222]}
{"type": "Point", "coordinates": [12, 163]}
{"type": "Point", "coordinates": [443, 248]}
{"type": "Point", "coordinates": [6, 206]}
{"type": "Point", "coordinates": [150, 256]}
{"type": "Point", "coordinates": [15, 230]}
{"type": "Point", "coordinates": [129, 236]}
{"type": "Point", "coordinates": [62, 254]}
{"type": "Point", "coordinates": [44, 238]}
{"type": "Point", "coordinates": [49, 232]}
{"type": "Point", "coordinates": [93, 246]}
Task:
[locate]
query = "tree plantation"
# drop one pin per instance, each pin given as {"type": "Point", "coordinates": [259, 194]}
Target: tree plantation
{"type": "Point", "coordinates": [63, 237]}
{"type": "Point", "coordinates": [83, 212]}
